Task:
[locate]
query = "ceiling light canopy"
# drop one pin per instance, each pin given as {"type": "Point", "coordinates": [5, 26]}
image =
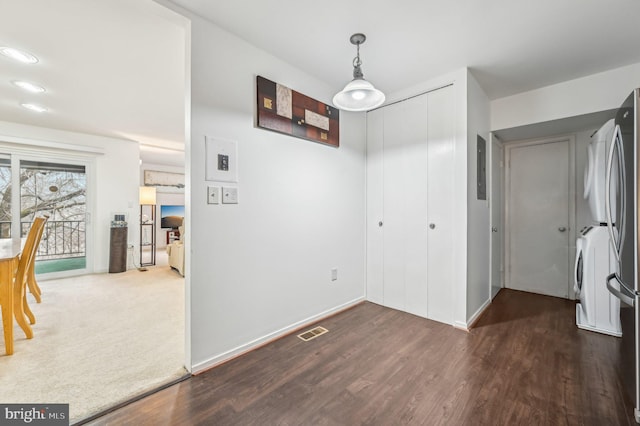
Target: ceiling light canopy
{"type": "Point", "coordinates": [29, 87]}
{"type": "Point", "coordinates": [18, 55]}
{"type": "Point", "coordinates": [34, 107]}
{"type": "Point", "coordinates": [358, 94]}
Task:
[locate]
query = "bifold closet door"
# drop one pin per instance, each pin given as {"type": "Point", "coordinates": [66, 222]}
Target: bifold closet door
{"type": "Point", "coordinates": [405, 206]}
{"type": "Point", "coordinates": [375, 206]}
{"type": "Point", "coordinates": [410, 177]}
{"type": "Point", "coordinates": [440, 198]}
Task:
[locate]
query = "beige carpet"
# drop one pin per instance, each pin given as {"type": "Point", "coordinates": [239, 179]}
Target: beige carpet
{"type": "Point", "coordinates": [99, 340]}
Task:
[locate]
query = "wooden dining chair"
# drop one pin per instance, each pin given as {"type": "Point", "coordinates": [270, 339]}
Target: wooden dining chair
{"type": "Point", "coordinates": [21, 309]}
{"type": "Point", "coordinates": [34, 288]}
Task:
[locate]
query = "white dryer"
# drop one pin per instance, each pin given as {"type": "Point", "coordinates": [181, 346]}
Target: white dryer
{"type": "Point", "coordinates": [598, 309]}
{"type": "Point", "coordinates": [595, 173]}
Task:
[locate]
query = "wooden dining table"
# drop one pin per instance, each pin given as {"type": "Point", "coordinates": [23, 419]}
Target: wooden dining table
{"type": "Point", "coordinates": [10, 295]}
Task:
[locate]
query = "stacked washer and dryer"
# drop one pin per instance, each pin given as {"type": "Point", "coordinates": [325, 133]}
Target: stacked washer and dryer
{"type": "Point", "coordinates": [598, 309]}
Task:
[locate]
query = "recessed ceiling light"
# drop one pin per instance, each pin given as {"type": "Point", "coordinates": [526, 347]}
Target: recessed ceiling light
{"type": "Point", "coordinates": [18, 55]}
{"type": "Point", "coordinates": [34, 107]}
{"type": "Point", "coordinates": [29, 87]}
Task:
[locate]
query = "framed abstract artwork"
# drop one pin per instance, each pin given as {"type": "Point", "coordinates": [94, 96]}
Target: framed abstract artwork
{"type": "Point", "coordinates": [163, 179]}
{"type": "Point", "coordinates": [286, 111]}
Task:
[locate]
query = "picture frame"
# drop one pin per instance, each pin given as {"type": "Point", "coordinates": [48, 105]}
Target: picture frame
{"type": "Point", "coordinates": [286, 111]}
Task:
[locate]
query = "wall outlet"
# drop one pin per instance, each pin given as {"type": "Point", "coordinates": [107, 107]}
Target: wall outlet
{"type": "Point", "coordinates": [334, 274]}
{"type": "Point", "coordinates": [213, 195]}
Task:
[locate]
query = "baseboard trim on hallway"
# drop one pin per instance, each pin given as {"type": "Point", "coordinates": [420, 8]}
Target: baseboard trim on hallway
{"type": "Point", "coordinates": [476, 316]}
{"type": "Point", "coordinates": [132, 400]}
{"type": "Point", "coordinates": [201, 367]}
{"type": "Point", "coordinates": [466, 326]}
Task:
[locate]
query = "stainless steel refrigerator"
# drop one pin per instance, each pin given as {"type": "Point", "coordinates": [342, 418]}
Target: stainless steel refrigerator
{"type": "Point", "coordinates": [622, 220]}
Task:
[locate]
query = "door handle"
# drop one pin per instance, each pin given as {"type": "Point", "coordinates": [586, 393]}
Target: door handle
{"type": "Point", "coordinates": [494, 229]}
{"type": "Point", "coordinates": [562, 229]}
{"type": "Point", "coordinates": [432, 225]}
{"type": "Point", "coordinates": [380, 224]}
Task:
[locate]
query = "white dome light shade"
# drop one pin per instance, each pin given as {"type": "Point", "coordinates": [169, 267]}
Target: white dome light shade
{"type": "Point", "coordinates": [29, 87]}
{"type": "Point", "coordinates": [18, 55]}
{"type": "Point", "coordinates": [358, 95]}
{"type": "Point", "coordinates": [34, 107]}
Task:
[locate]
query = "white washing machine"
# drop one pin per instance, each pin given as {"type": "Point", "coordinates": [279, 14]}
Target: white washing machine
{"type": "Point", "coordinates": [598, 309]}
{"type": "Point", "coordinates": [595, 173]}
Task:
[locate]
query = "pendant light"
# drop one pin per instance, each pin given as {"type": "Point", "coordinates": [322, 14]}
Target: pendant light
{"type": "Point", "coordinates": [358, 94]}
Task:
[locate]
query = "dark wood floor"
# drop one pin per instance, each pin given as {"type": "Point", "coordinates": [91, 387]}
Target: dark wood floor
{"type": "Point", "coordinates": [524, 363]}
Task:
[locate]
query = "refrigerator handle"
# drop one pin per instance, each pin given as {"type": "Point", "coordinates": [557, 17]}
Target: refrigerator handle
{"type": "Point", "coordinates": [624, 294]}
{"type": "Point", "coordinates": [622, 190]}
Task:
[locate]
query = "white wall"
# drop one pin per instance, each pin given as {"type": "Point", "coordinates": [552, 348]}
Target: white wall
{"type": "Point", "coordinates": [478, 221]}
{"type": "Point", "coordinates": [594, 93]}
{"type": "Point", "coordinates": [262, 266]}
{"type": "Point", "coordinates": [115, 181]}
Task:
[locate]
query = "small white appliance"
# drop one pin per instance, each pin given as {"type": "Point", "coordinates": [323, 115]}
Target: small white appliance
{"type": "Point", "coordinates": [598, 310]}
{"type": "Point", "coordinates": [595, 173]}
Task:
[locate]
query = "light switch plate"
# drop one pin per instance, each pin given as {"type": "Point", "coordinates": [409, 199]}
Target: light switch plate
{"type": "Point", "coordinates": [213, 195]}
{"type": "Point", "coordinates": [229, 195]}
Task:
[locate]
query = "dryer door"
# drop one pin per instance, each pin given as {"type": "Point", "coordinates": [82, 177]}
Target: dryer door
{"type": "Point", "coordinates": [578, 269]}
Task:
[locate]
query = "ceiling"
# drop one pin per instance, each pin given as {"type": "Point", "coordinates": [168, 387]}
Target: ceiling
{"type": "Point", "coordinates": [116, 67]}
{"type": "Point", "coordinates": [510, 46]}
{"type": "Point", "coordinates": [110, 67]}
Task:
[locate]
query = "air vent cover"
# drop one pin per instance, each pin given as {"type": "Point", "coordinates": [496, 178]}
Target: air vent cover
{"type": "Point", "coordinates": [313, 333]}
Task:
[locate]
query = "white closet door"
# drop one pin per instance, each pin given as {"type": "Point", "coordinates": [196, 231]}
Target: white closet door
{"type": "Point", "coordinates": [440, 190]}
{"type": "Point", "coordinates": [394, 207]}
{"type": "Point", "coordinates": [405, 206]}
{"type": "Point", "coordinates": [410, 178]}
{"type": "Point", "coordinates": [415, 205]}
{"type": "Point", "coordinates": [375, 217]}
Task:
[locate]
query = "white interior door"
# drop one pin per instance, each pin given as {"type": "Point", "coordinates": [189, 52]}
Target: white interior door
{"type": "Point", "coordinates": [410, 179]}
{"type": "Point", "coordinates": [538, 192]}
{"type": "Point", "coordinates": [496, 206]}
{"type": "Point", "coordinates": [440, 192]}
{"type": "Point", "coordinates": [405, 206]}
{"type": "Point", "coordinates": [375, 206]}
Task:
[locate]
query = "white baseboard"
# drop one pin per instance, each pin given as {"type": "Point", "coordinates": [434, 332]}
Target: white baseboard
{"type": "Point", "coordinates": [261, 341]}
{"type": "Point", "coordinates": [460, 325]}
{"type": "Point", "coordinates": [467, 325]}
{"type": "Point", "coordinates": [477, 314]}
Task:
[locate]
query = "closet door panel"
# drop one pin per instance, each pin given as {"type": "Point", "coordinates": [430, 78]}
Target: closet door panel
{"type": "Point", "coordinates": [440, 190]}
{"type": "Point", "coordinates": [375, 126]}
{"type": "Point", "coordinates": [410, 182]}
{"type": "Point", "coordinates": [394, 229]}
{"type": "Point", "coordinates": [415, 204]}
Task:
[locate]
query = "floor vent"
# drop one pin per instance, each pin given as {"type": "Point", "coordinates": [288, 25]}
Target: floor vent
{"type": "Point", "coordinates": [312, 334]}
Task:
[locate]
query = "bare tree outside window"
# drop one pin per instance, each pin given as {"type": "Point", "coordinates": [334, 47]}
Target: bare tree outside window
{"type": "Point", "coordinates": [59, 191]}
{"type": "Point", "coordinates": [5, 200]}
